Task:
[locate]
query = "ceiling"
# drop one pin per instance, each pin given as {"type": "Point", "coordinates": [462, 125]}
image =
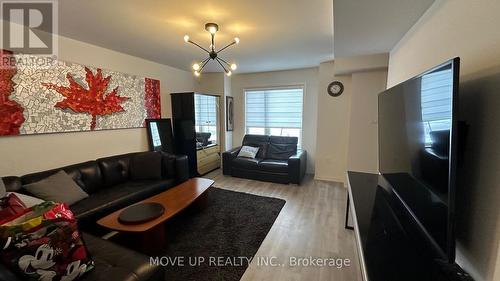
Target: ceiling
{"type": "Point", "coordinates": [373, 26]}
{"type": "Point", "coordinates": [275, 34]}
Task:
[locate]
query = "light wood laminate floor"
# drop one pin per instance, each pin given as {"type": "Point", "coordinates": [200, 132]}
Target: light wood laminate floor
{"type": "Point", "coordinates": [311, 224]}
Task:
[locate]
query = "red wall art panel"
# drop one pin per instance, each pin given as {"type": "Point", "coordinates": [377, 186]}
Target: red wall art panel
{"type": "Point", "coordinates": [68, 97]}
{"type": "Point", "coordinates": [11, 112]}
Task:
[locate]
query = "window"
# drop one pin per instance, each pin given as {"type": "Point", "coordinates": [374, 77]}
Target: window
{"type": "Point", "coordinates": [275, 112]}
{"type": "Point", "coordinates": [436, 90]}
{"type": "Point", "coordinates": [205, 108]}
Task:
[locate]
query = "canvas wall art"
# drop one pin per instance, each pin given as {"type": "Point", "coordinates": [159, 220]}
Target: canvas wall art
{"type": "Point", "coordinates": [68, 97]}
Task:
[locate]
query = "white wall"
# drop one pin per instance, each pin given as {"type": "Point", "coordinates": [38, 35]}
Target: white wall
{"type": "Point", "coordinates": [307, 77]}
{"type": "Point", "coordinates": [347, 136]}
{"type": "Point", "coordinates": [210, 83]}
{"type": "Point", "coordinates": [333, 126]}
{"type": "Point", "coordinates": [363, 132]}
{"type": "Point", "coordinates": [469, 29]}
{"type": "Point", "coordinates": [30, 153]}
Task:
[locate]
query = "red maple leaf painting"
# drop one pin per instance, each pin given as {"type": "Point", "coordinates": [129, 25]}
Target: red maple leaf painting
{"type": "Point", "coordinates": [11, 113]}
{"type": "Point", "coordinates": [94, 100]}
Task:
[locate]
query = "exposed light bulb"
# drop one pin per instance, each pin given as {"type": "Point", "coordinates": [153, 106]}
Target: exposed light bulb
{"type": "Point", "coordinates": [196, 67]}
{"type": "Point", "coordinates": [229, 73]}
{"type": "Point", "coordinates": [212, 29]}
{"type": "Point", "coordinates": [236, 40]}
{"type": "Point", "coordinates": [186, 38]}
{"type": "Point", "coordinates": [233, 66]}
{"type": "Point", "coordinates": [196, 73]}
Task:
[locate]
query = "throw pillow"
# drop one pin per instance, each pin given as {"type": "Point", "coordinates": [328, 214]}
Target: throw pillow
{"type": "Point", "coordinates": [146, 166]}
{"type": "Point", "coordinates": [248, 151]}
{"type": "Point", "coordinates": [59, 187]}
{"type": "Point", "coordinates": [3, 191]}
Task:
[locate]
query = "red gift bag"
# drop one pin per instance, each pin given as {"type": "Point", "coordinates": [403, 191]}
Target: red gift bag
{"type": "Point", "coordinates": [10, 206]}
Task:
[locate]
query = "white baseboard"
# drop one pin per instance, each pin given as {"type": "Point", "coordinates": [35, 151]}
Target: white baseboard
{"type": "Point", "coordinates": [334, 179]}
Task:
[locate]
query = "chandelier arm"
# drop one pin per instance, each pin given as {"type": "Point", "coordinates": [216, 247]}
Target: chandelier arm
{"type": "Point", "coordinates": [224, 61]}
{"type": "Point", "coordinates": [205, 61]}
{"type": "Point", "coordinates": [197, 45]}
{"type": "Point", "coordinates": [203, 64]}
{"type": "Point", "coordinates": [227, 46]}
{"type": "Point", "coordinates": [223, 67]}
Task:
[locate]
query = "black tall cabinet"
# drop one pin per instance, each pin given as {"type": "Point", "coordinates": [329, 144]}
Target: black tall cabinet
{"type": "Point", "coordinates": [183, 118]}
{"type": "Point", "coordinates": [197, 134]}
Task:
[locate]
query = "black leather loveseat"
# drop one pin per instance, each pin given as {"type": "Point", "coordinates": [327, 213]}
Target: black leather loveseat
{"type": "Point", "coordinates": [277, 160]}
{"type": "Point", "coordinates": [110, 187]}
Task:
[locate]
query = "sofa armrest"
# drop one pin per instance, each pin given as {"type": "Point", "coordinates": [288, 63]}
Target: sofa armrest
{"type": "Point", "coordinates": [297, 165]}
{"type": "Point", "coordinates": [227, 159]}
{"type": "Point", "coordinates": [175, 166]}
{"type": "Point", "coordinates": [12, 183]}
{"type": "Point", "coordinates": [115, 262]}
{"type": "Point", "coordinates": [181, 168]}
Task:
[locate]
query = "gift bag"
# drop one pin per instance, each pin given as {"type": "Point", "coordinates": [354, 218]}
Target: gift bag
{"type": "Point", "coordinates": [10, 206]}
{"type": "Point", "coordinates": [45, 244]}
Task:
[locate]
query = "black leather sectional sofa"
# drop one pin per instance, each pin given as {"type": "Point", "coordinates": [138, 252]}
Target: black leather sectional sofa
{"type": "Point", "coordinates": [110, 187]}
{"type": "Point", "coordinates": [277, 160]}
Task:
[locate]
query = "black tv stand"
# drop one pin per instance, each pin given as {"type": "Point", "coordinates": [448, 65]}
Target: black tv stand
{"type": "Point", "coordinates": [388, 246]}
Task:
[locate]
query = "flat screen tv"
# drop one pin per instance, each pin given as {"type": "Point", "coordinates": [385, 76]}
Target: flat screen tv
{"type": "Point", "coordinates": [417, 150]}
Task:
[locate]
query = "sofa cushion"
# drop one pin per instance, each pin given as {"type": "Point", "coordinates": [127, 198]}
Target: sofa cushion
{"type": "Point", "coordinates": [59, 187]}
{"type": "Point", "coordinates": [282, 147]}
{"type": "Point", "coordinates": [116, 197]}
{"type": "Point", "coordinates": [260, 141]}
{"type": "Point", "coordinates": [115, 169]}
{"type": "Point", "coordinates": [145, 166]}
{"type": "Point", "coordinates": [87, 175]}
{"type": "Point", "coordinates": [274, 166]}
{"type": "Point", "coordinates": [246, 163]}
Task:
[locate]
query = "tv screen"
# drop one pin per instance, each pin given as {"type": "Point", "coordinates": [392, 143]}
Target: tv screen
{"type": "Point", "coordinates": [417, 144]}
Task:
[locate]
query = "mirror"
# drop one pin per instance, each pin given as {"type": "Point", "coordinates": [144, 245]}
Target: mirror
{"type": "Point", "coordinates": [160, 135]}
{"type": "Point", "coordinates": [206, 120]}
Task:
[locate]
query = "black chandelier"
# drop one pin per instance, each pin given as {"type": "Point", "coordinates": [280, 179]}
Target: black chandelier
{"type": "Point", "coordinates": [212, 53]}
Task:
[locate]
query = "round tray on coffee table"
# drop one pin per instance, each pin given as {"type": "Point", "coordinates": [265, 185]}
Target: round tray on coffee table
{"type": "Point", "coordinates": [141, 213]}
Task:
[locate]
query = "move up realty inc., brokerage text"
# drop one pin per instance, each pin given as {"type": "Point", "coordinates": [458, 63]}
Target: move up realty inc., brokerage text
{"type": "Point", "coordinates": [237, 261]}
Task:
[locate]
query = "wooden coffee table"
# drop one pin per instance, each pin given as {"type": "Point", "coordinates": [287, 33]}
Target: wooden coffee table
{"type": "Point", "coordinates": [151, 235]}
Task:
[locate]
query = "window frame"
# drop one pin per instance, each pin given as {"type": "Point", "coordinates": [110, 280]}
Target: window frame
{"type": "Point", "coordinates": [301, 86]}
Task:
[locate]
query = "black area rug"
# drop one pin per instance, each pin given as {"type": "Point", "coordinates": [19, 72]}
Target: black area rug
{"type": "Point", "coordinates": [215, 243]}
